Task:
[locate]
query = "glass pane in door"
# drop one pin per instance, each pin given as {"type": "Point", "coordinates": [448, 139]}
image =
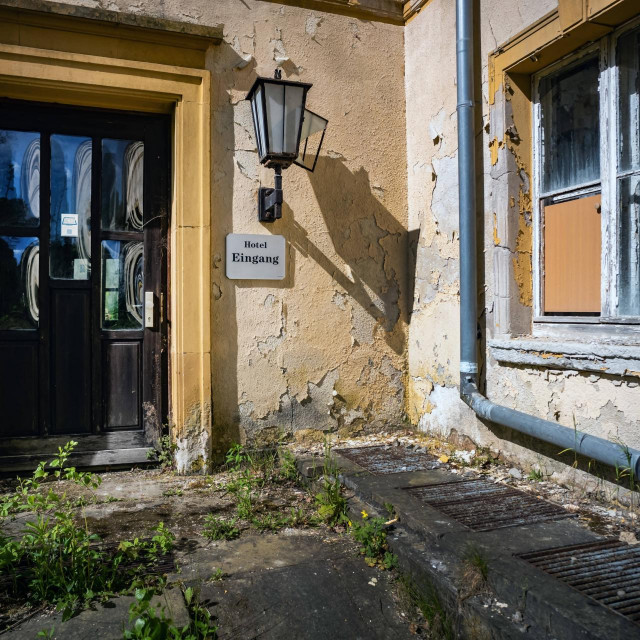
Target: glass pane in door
{"type": "Point", "coordinates": [19, 282]}
{"type": "Point", "coordinates": [19, 178]}
{"type": "Point", "coordinates": [122, 185]}
{"type": "Point", "coordinates": [70, 244]}
{"type": "Point", "coordinates": [122, 284]}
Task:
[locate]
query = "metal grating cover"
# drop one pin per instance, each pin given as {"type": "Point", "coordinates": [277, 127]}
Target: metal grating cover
{"type": "Point", "coordinates": [383, 459]}
{"type": "Point", "coordinates": [483, 506]}
{"type": "Point", "coordinates": [607, 571]}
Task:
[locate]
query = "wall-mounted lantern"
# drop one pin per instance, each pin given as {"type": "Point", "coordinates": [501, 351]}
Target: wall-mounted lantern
{"type": "Point", "coordinates": [281, 121]}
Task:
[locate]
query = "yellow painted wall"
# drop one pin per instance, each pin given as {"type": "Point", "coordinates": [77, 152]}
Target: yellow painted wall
{"type": "Point", "coordinates": [325, 349]}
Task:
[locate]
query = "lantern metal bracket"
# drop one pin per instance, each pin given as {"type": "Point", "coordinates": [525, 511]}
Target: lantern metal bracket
{"type": "Point", "coordinates": [270, 200]}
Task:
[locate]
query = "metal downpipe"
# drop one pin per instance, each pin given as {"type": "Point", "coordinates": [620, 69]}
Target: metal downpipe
{"type": "Point", "coordinates": [565, 438]}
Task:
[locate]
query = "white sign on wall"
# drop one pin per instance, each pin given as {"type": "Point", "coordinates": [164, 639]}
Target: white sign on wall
{"type": "Point", "coordinates": [255, 257]}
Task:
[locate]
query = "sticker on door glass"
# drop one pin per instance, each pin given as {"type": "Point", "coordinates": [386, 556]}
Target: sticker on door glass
{"type": "Point", "coordinates": [69, 225]}
{"type": "Point", "coordinates": [111, 273]}
{"type": "Point", "coordinates": [81, 269]}
{"type": "Point", "coordinates": [110, 306]}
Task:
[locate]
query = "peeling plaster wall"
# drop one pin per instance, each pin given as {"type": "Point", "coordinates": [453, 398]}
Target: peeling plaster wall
{"type": "Point", "coordinates": [325, 349]}
{"type": "Point", "coordinates": [602, 403]}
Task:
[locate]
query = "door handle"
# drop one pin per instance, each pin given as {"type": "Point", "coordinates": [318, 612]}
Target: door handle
{"type": "Point", "coordinates": [149, 311]}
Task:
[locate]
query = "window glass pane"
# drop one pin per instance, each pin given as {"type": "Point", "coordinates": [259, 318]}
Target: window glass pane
{"type": "Point", "coordinates": [122, 284]}
{"type": "Point", "coordinates": [629, 247]}
{"type": "Point", "coordinates": [19, 281]}
{"type": "Point", "coordinates": [70, 245]}
{"type": "Point", "coordinates": [628, 101]}
{"type": "Point", "coordinates": [19, 178]}
{"type": "Point", "coordinates": [570, 126]}
{"type": "Point", "coordinates": [122, 185]}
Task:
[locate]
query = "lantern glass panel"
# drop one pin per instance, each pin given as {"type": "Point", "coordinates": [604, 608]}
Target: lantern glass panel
{"type": "Point", "coordinates": [311, 137]}
{"type": "Point", "coordinates": [274, 94]}
{"type": "Point", "coordinates": [294, 98]}
{"type": "Point", "coordinates": [258, 121]}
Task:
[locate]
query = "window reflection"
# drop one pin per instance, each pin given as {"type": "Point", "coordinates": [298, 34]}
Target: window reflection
{"type": "Point", "coordinates": [70, 243]}
{"type": "Point", "coordinates": [122, 284]}
{"type": "Point", "coordinates": [19, 282]}
{"type": "Point", "coordinates": [122, 185]}
{"type": "Point", "coordinates": [570, 126]}
{"type": "Point", "coordinates": [19, 178]}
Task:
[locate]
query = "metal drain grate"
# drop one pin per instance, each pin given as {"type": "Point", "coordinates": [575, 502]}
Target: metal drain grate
{"type": "Point", "coordinates": [383, 459]}
{"type": "Point", "coordinates": [483, 506]}
{"type": "Point", "coordinates": [607, 571]}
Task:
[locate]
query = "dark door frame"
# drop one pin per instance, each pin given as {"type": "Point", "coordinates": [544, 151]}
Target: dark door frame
{"type": "Point", "coordinates": [154, 131]}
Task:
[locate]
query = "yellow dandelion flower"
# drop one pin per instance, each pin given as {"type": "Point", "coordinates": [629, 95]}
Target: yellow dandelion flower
{"type": "Point", "coordinates": [365, 515]}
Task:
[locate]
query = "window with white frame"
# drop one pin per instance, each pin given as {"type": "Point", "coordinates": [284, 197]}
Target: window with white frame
{"type": "Point", "coordinates": [587, 184]}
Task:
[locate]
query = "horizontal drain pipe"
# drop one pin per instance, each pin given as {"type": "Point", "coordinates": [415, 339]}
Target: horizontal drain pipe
{"type": "Point", "coordinates": [593, 447]}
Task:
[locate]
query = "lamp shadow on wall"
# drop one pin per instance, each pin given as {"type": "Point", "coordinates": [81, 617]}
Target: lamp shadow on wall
{"type": "Point", "coordinates": [378, 250]}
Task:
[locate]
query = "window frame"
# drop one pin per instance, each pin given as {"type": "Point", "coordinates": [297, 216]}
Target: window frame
{"type": "Point", "coordinates": [607, 185]}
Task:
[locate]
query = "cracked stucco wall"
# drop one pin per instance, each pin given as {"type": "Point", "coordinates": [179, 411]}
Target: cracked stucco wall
{"type": "Point", "coordinates": [324, 349]}
{"type": "Point", "coordinates": [601, 403]}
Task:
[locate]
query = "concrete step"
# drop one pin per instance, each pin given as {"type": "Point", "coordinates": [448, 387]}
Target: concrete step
{"type": "Point", "coordinates": [518, 600]}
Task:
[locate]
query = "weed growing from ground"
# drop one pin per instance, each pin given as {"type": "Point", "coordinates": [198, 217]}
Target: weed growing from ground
{"type": "Point", "coordinates": [269, 522]}
{"type": "Point", "coordinates": [484, 458]}
{"type": "Point", "coordinates": [475, 571]}
{"type": "Point", "coordinates": [172, 492]}
{"type": "Point", "coordinates": [148, 622]}
{"type": "Point", "coordinates": [217, 576]}
{"type": "Point", "coordinates": [201, 627]}
{"type": "Point", "coordinates": [219, 529]}
{"type": "Point", "coordinates": [536, 475]}
{"type": "Point", "coordinates": [330, 503]}
{"type": "Point", "coordinates": [372, 535]}
{"type": "Point", "coordinates": [165, 455]}
{"type": "Point", "coordinates": [288, 470]}
{"type": "Point", "coordinates": [427, 601]}
{"type": "Point", "coordinates": [152, 623]}
{"type": "Point", "coordinates": [237, 457]}
{"type": "Point", "coordinates": [55, 560]}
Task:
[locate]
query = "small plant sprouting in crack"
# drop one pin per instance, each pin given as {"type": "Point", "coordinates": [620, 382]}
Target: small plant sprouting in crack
{"type": "Point", "coordinates": [371, 533]}
{"type": "Point", "coordinates": [535, 475]}
{"type": "Point", "coordinates": [202, 626]}
{"type": "Point", "coordinates": [288, 470]}
{"type": "Point", "coordinates": [172, 492]}
{"type": "Point", "coordinates": [165, 454]}
{"type": "Point", "coordinates": [217, 576]}
{"type": "Point", "coordinates": [330, 502]}
{"type": "Point", "coordinates": [427, 600]}
{"type": "Point", "coordinates": [475, 572]}
{"type": "Point", "coordinates": [219, 529]}
{"type": "Point", "coordinates": [626, 474]}
{"type": "Point", "coordinates": [237, 457]}
{"type": "Point", "coordinates": [148, 622]}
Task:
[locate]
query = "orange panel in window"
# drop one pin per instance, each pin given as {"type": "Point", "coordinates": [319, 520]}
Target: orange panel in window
{"type": "Point", "coordinates": [572, 245]}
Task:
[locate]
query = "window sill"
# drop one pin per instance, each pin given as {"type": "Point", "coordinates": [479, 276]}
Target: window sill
{"type": "Point", "coordinates": [611, 358]}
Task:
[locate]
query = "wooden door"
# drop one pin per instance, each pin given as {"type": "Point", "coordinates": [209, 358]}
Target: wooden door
{"type": "Point", "coordinates": [83, 223]}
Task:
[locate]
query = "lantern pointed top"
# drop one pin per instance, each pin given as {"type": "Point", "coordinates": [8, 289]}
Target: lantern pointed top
{"type": "Point", "coordinates": [277, 74]}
